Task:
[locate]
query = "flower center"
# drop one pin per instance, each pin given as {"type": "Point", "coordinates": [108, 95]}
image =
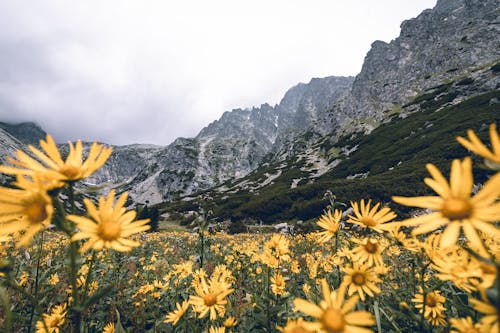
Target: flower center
{"type": "Point", "coordinates": [70, 171]}
{"type": "Point", "coordinates": [109, 231]}
{"type": "Point", "coordinates": [358, 279]}
{"type": "Point", "coordinates": [456, 209]}
{"type": "Point", "coordinates": [333, 321]}
{"type": "Point", "coordinates": [368, 221]}
{"type": "Point", "coordinates": [371, 246]}
{"type": "Point", "coordinates": [430, 300]}
{"type": "Point", "coordinates": [36, 212]}
{"type": "Point", "coordinates": [210, 299]}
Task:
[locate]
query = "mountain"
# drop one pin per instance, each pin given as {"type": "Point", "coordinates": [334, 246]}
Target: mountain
{"type": "Point", "coordinates": [228, 148]}
{"type": "Point", "coordinates": [27, 133]}
{"type": "Point", "coordinates": [8, 146]}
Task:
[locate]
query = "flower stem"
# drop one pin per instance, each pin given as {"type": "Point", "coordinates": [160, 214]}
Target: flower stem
{"type": "Point", "coordinates": [37, 273]}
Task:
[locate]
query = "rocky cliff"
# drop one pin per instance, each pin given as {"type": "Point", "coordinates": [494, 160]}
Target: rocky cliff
{"type": "Point", "coordinates": [454, 38]}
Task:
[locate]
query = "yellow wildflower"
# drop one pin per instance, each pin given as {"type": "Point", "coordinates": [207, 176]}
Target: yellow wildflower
{"type": "Point", "coordinates": [294, 326]}
{"type": "Point", "coordinates": [51, 162]}
{"type": "Point", "coordinates": [174, 316]}
{"type": "Point", "coordinates": [278, 284]}
{"type": "Point", "coordinates": [108, 226]}
{"type": "Point", "coordinates": [25, 211]}
{"type": "Point", "coordinates": [333, 315]}
{"type": "Point", "coordinates": [109, 328]}
{"type": "Point", "coordinates": [330, 223]}
{"type": "Point", "coordinates": [454, 206]}
{"type": "Point", "coordinates": [434, 304]}
{"type": "Point", "coordinates": [230, 322]}
{"type": "Point", "coordinates": [465, 325]}
{"type": "Point", "coordinates": [369, 250]}
{"type": "Point", "coordinates": [54, 321]}
{"type": "Point", "coordinates": [474, 144]}
{"type": "Point", "coordinates": [361, 279]}
{"type": "Point", "coordinates": [211, 297]}
{"type": "Point", "coordinates": [370, 217]}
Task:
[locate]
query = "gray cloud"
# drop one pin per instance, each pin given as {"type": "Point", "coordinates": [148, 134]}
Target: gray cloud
{"type": "Point", "coordinates": [131, 71]}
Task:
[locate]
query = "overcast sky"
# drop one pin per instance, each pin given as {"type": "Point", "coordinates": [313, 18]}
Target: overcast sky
{"type": "Point", "coordinates": [149, 71]}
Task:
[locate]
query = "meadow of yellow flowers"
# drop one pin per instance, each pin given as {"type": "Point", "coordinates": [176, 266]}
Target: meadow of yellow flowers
{"type": "Point", "coordinates": [364, 272]}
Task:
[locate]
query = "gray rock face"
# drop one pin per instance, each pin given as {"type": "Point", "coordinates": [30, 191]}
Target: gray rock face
{"type": "Point", "coordinates": [439, 44]}
{"type": "Point", "coordinates": [27, 133]}
{"type": "Point", "coordinates": [8, 146]}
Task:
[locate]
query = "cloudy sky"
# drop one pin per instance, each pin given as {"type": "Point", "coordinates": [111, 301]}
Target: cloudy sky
{"type": "Point", "coordinates": [148, 71]}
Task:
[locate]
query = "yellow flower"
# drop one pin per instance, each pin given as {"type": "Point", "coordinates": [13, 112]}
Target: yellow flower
{"type": "Point", "coordinates": [294, 326]}
{"type": "Point", "coordinates": [465, 325]}
{"type": "Point", "coordinates": [460, 268]}
{"type": "Point", "coordinates": [490, 315]}
{"type": "Point", "coordinates": [54, 279]}
{"type": "Point", "coordinates": [25, 211]}
{"type": "Point", "coordinates": [211, 297]}
{"type": "Point", "coordinates": [434, 304]}
{"type": "Point", "coordinates": [492, 157]}
{"type": "Point", "coordinates": [52, 164]}
{"type": "Point", "coordinates": [278, 284]}
{"type": "Point", "coordinates": [230, 322]}
{"type": "Point", "coordinates": [109, 328]}
{"type": "Point", "coordinates": [108, 226]}
{"type": "Point", "coordinates": [330, 223]}
{"type": "Point", "coordinates": [361, 279]}
{"type": "Point", "coordinates": [370, 217]}
{"type": "Point", "coordinates": [54, 321]}
{"type": "Point", "coordinates": [214, 329]}
{"type": "Point", "coordinates": [454, 206]}
{"type": "Point", "coordinates": [369, 250]}
{"type": "Point", "coordinates": [174, 316]}
{"type": "Point", "coordinates": [275, 251]}
{"type": "Point", "coordinates": [333, 315]}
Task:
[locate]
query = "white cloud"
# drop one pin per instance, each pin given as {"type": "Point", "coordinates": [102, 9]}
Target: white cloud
{"type": "Point", "coordinates": [150, 71]}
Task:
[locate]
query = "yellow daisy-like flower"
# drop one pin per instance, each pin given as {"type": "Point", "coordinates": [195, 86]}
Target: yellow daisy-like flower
{"type": "Point", "coordinates": [214, 329]}
{"type": "Point", "coordinates": [474, 144]}
{"type": "Point", "coordinates": [370, 217]}
{"type": "Point", "coordinates": [51, 162]}
{"type": "Point", "coordinates": [174, 316]}
{"type": "Point", "coordinates": [109, 328]}
{"type": "Point", "coordinates": [25, 211]}
{"type": "Point", "coordinates": [211, 297]}
{"type": "Point", "coordinates": [461, 268]}
{"type": "Point", "coordinates": [466, 325]}
{"type": "Point", "coordinates": [489, 311]}
{"type": "Point", "coordinates": [294, 326]}
{"type": "Point", "coordinates": [361, 279]}
{"type": "Point", "coordinates": [108, 226]}
{"type": "Point", "coordinates": [434, 304]}
{"type": "Point", "coordinates": [54, 321]}
{"type": "Point", "coordinates": [278, 284]}
{"type": "Point", "coordinates": [330, 223]}
{"type": "Point", "coordinates": [276, 251]}
{"type": "Point", "coordinates": [333, 315]}
{"type": "Point", "coordinates": [454, 206]}
{"type": "Point", "coordinates": [230, 322]}
{"type": "Point", "coordinates": [369, 250]}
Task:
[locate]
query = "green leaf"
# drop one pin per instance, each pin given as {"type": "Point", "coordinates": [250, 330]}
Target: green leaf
{"type": "Point", "coordinates": [118, 325]}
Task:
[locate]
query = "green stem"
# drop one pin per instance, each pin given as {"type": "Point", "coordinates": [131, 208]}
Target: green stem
{"type": "Point", "coordinates": [37, 273]}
